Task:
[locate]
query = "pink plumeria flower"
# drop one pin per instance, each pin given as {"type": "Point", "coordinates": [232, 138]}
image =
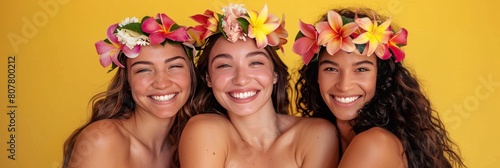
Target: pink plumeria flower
{"type": "Point", "coordinates": [375, 36]}
{"type": "Point", "coordinates": [335, 35]}
{"type": "Point", "coordinates": [159, 32]}
{"type": "Point", "coordinates": [109, 52]}
{"type": "Point", "coordinates": [261, 24]}
{"type": "Point", "coordinates": [397, 40]}
{"type": "Point", "coordinates": [278, 36]}
{"type": "Point", "coordinates": [209, 23]}
{"type": "Point", "coordinates": [307, 45]}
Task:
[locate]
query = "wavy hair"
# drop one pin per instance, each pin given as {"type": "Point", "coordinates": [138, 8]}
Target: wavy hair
{"type": "Point", "coordinates": [399, 106]}
{"type": "Point", "coordinates": [117, 103]}
{"type": "Point", "coordinates": [206, 99]}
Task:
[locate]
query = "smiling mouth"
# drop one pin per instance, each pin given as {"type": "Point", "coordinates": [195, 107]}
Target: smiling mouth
{"type": "Point", "coordinates": [243, 95]}
{"type": "Point", "coordinates": [164, 97]}
{"type": "Point", "coordinates": [347, 99]}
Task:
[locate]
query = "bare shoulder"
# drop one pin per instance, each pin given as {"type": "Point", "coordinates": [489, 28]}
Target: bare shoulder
{"type": "Point", "coordinates": [318, 143]}
{"type": "Point", "coordinates": [97, 142]}
{"type": "Point", "coordinates": [375, 147]}
{"type": "Point", "coordinates": [378, 139]}
{"type": "Point", "coordinates": [204, 139]}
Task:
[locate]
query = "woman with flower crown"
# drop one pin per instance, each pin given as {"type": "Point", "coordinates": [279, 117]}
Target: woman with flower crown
{"type": "Point", "coordinates": [354, 77]}
{"type": "Point", "coordinates": [244, 100]}
{"type": "Point", "coordinates": [137, 122]}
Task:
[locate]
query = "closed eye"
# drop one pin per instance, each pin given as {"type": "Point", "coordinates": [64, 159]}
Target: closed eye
{"type": "Point", "coordinates": [141, 70]}
{"type": "Point", "coordinates": [176, 66]}
{"type": "Point", "coordinates": [223, 66]}
{"type": "Point", "coordinates": [256, 63]}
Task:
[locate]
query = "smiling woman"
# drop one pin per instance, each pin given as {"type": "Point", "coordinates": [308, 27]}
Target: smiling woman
{"type": "Point", "coordinates": [245, 101]}
{"type": "Point", "coordinates": [138, 120]}
{"type": "Point", "coordinates": [354, 77]}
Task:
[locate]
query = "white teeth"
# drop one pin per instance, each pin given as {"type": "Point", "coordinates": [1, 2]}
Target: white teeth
{"type": "Point", "coordinates": [243, 95]}
{"type": "Point", "coordinates": [163, 98]}
{"type": "Point", "coordinates": [346, 99]}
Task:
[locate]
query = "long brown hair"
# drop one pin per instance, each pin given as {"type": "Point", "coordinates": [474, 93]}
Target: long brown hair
{"type": "Point", "coordinates": [117, 103]}
{"type": "Point", "coordinates": [206, 99]}
{"type": "Point", "coordinates": [399, 105]}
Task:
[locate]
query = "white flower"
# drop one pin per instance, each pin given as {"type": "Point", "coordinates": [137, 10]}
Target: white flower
{"type": "Point", "coordinates": [237, 9]}
{"type": "Point", "coordinates": [128, 21]}
{"type": "Point", "coordinates": [131, 38]}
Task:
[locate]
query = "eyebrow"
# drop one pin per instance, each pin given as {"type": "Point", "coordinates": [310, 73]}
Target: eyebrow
{"type": "Point", "coordinates": [228, 56]}
{"type": "Point", "coordinates": [354, 64]}
{"type": "Point", "coordinates": [166, 61]}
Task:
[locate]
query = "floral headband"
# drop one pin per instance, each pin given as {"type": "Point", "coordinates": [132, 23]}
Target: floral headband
{"type": "Point", "coordinates": [130, 35]}
{"type": "Point", "coordinates": [236, 23]}
{"type": "Point", "coordinates": [342, 33]}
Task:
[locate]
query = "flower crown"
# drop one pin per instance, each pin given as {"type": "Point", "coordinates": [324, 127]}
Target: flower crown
{"type": "Point", "coordinates": [236, 23]}
{"type": "Point", "coordinates": [342, 33]}
{"type": "Point", "coordinates": [130, 35]}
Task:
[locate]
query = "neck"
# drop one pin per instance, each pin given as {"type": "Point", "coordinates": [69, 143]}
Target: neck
{"type": "Point", "coordinates": [150, 131]}
{"type": "Point", "coordinates": [259, 129]}
{"type": "Point", "coordinates": [346, 133]}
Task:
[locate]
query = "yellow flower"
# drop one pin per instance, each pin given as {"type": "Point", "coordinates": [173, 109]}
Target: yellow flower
{"type": "Point", "coordinates": [376, 36]}
{"type": "Point", "coordinates": [261, 24]}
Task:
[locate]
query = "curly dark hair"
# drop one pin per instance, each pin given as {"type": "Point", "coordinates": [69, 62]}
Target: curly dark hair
{"type": "Point", "coordinates": [117, 103]}
{"type": "Point", "coordinates": [399, 106]}
{"type": "Point", "coordinates": [205, 99]}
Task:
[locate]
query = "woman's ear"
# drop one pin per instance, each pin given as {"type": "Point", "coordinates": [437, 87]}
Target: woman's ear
{"type": "Point", "coordinates": [209, 82]}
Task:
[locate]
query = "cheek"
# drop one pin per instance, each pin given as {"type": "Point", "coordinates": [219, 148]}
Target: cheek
{"type": "Point", "coordinates": [325, 81]}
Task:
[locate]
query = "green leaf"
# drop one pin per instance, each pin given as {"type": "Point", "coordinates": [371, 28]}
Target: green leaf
{"type": "Point", "coordinates": [107, 41]}
{"type": "Point", "coordinates": [144, 18]}
{"type": "Point", "coordinates": [174, 27]}
{"type": "Point", "coordinates": [299, 35]}
{"type": "Point", "coordinates": [136, 27]}
{"type": "Point", "coordinates": [113, 66]}
{"type": "Point", "coordinates": [360, 47]}
{"type": "Point", "coordinates": [243, 24]}
{"type": "Point", "coordinates": [346, 20]}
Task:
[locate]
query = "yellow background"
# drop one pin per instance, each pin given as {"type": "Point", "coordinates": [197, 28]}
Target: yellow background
{"type": "Point", "coordinates": [453, 50]}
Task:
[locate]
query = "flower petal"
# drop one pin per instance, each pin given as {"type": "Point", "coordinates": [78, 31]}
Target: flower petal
{"type": "Point", "coordinates": [150, 25]}
{"type": "Point", "coordinates": [114, 58]}
{"type": "Point", "coordinates": [398, 53]}
{"type": "Point", "coordinates": [262, 15]}
{"type": "Point", "coordinates": [179, 35]}
{"type": "Point", "coordinates": [326, 36]}
{"type": "Point", "coordinates": [131, 53]}
{"type": "Point", "coordinates": [103, 47]}
{"type": "Point", "coordinates": [365, 23]}
{"type": "Point", "coordinates": [105, 59]}
{"type": "Point", "coordinates": [260, 39]}
{"type": "Point", "coordinates": [202, 19]}
{"type": "Point", "coordinates": [110, 34]}
{"type": "Point", "coordinates": [308, 30]}
{"type": "Point", "coordinates": [323, 26]}
{"type": "Point", "coordinates": [382, 51]}
{"type": "Point", "coordinates": [166, 21]}
{"type": "Point", "coordinates": [361, 39]}
{"type": "Point", "coordinates": [156, 38]}
{"type": "Point", "coordinates": [335, 21]}
{"type": "Point", "coordinates": [400, 37]}
{"type": "Point", "coordinates": [333, 45]}
{"type": "Point", "coordinates": [348, 29]}
{"type": "Point", "coordinates": [347, 45]}
{"type": "Point", "coordinates": [302, 45]}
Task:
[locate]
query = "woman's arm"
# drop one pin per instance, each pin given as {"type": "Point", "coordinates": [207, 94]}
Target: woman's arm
{"type": "Point", "coordinates": [204, 142]}
{"type": "Point", "coordinates": [375, 147]}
